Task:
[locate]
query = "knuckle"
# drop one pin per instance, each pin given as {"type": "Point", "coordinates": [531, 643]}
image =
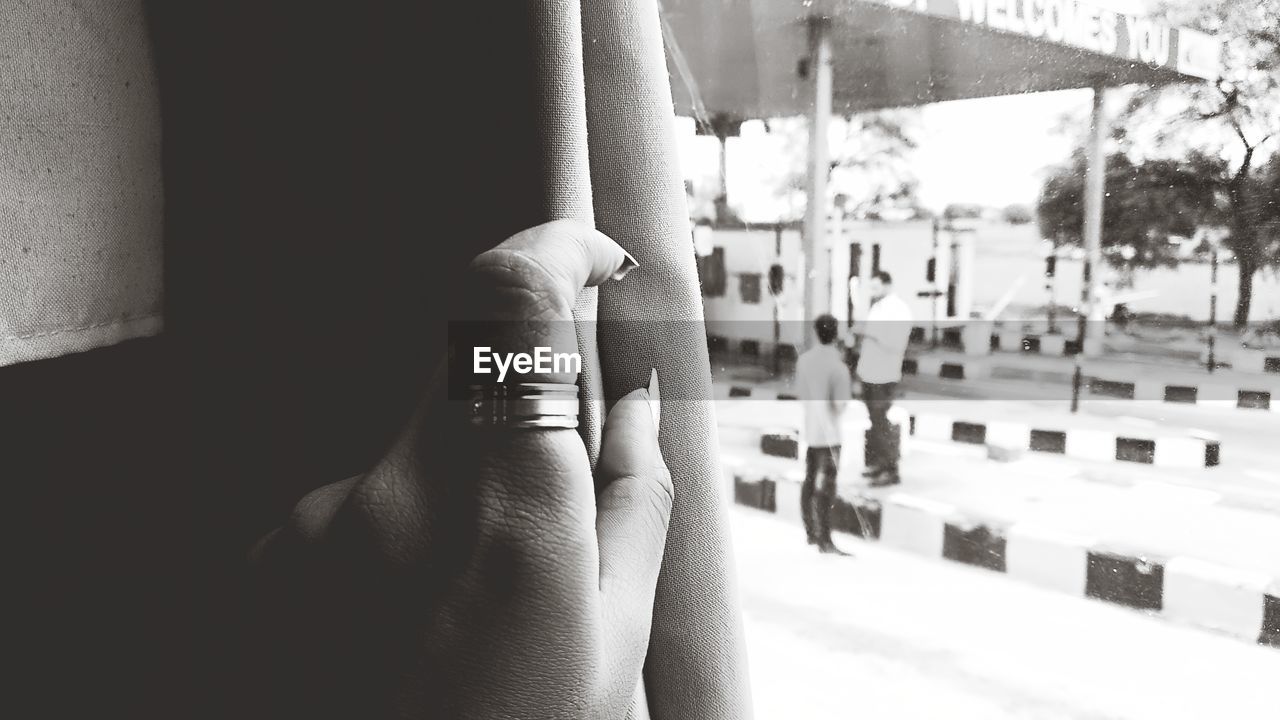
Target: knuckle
{"type": "Point", "coordinates": [311, 517]}
{"type": "Point", "coordinates": [519, 272]}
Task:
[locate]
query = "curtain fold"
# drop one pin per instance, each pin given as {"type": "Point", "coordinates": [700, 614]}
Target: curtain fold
{"type": "Point", "coordinates": [562, 124]}
{"type": "Point", "coordinates": [696, 667]}
{"type": "Point", "coordinates": [608, 125]}
{"type": "Point", "coordinates": [80, 186]}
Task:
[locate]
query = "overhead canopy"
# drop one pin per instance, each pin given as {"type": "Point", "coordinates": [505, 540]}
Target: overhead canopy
{"type": "Point", "coordinates": [746, 59]}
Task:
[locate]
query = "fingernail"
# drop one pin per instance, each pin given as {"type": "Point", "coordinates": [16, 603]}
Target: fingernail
{"type": "Point", "coordinates": [628, 264]}
{"type": "Point", "coordinates": [655, 400]}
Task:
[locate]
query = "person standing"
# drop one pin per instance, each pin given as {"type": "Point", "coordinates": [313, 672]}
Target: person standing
{"type": "Point", "coordinates": [824, 385]}
{"type": "Point", "coordinates": [884, 338]}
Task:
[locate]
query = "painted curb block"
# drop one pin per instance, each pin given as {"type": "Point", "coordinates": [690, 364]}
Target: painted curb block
{"type": "Point", "coordinates": [785, 442]}
{"type": "Point", "coordinates": [1245, 397]}
{"type": "Point", "coordinates": [914, 525]}
{"type": "Point", "coordinates": [1048, 558]}
{"type": "Point", "coordinates": [1134, 581]}
{"type": "Point", "coordinates": [1083, 443]}
{"type": "Point", "coordinates": [782, 443]}
{"type": "Point", "coordinates": [1214, 596]}
{"type": "Point", "coordinates": [758, 393]}
{"type": "Point", "coordinates": [1256, 361]}
{"type": "Point", "coordinates": [947, 368]}
{"type": "Point", "coordinates": [1235, 602]}
{"type": "Point", "coordinates": [1018, 341]}
{"type": "Point", "coordinates": [1271, 620]}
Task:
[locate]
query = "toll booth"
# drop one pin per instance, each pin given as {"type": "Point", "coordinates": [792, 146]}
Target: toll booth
{"type": "Point", "coordinates": [822, 57]}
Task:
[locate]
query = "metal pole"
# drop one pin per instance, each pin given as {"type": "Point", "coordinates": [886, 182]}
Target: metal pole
{"type": "Point", "coordinates": [816, 206]}
{"type": "Point", "coordinates": [1213, 304]}
{"type": "Point", "coordinates": [1095, 180]}
{"type": "Point", "coordinates": [933, 304]}
{"type": "Point", "coordinates": [722, 192]}
{"type": "Point", "coordinates": [777, 304]}
{"type": "Point", "coordinates": [1089, 334]}
{"type": "Point", "coordinates": [1050, 279]}
{"type": "Point", "coordinates": [1077, 377]}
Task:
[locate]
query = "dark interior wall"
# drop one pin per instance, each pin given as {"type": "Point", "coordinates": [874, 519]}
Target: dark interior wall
{"type": "Point", "coordinates": [329, 169]}
{"type": "Point", "coordinates": [96, 536]}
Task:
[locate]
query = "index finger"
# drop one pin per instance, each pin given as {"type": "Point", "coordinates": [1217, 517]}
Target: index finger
{"type": "Point", "coordinates": [536, 485]}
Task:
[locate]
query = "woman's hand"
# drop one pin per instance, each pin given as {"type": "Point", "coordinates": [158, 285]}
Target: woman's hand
{"type": "Point", "coordinates": [477, 571]}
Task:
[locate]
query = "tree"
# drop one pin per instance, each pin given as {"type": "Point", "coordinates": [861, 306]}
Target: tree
{"type": "Point", "coordinates": [1017, 215]}
{"type": "Point", "coordinates": [962, 211]}
{"type": "Point", "coordinates": [1267, 204]}
{"type": "Point", "coordinates": [1146, 203]}
{"type": "Point", "coordinates": [870, 162]}
{"type": "Point", "coordinates": [1235, 118]}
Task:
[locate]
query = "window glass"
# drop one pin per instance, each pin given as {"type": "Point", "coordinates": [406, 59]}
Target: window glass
{"type": "Point", "coordinates": [1046, 235]}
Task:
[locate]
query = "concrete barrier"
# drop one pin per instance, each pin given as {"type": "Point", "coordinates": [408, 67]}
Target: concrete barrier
{"type": "Point", "coordinates": [1188, 590]}
{"type": "Point", "coordinates": [1048, 558]}
{"type": "Point", "coordinates": [1201, 450]}
{"type": "Point", "coordinates": [914, 524]}
{"type": "Point", "coordinates": [1212, 596]}
{"type": "Point", "coordinates": [1020, 341]}
{"type": "Point", "coordinates": [1255, 361]}
{"type": "Point", "coordinates": [1242, 393]}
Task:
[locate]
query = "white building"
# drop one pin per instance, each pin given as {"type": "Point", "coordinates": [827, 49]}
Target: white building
{"type": "Point", "coordinates": [745, 316]}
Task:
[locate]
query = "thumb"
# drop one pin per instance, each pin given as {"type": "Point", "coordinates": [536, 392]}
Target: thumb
{"type": "Point", "coordinates": [632, 512]}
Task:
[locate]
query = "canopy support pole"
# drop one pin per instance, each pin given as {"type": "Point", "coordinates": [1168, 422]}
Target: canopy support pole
{"type": "Point", "coordinates": [1094, 195]}
{"type": "Point", "coordinates": [724, 127]}
{"type": "Point", "coordinates": [819, 167]}
{"type": "Point", "coordinates": [722, 188]}
{"type": "Point", "coordinates": [1090, 334]}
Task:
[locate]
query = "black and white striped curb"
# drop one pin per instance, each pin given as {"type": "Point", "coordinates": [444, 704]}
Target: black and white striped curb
{"type": "Point", "coordinates": [1019, 340]}
{"type": "Point", "coordinates": [924, 366]}
{"type": "Point", "coordinates": [1041, 344]}
{"type": "Point", "coordinates": [1255, 361]}
{"type": "Point", "coordinates": [1251, 395]}
{"type": "Point", "coordinates": [1011, 437]}
{"type": "Point", "coordinates": [1241, 603]}
{"type": "Point", "coordinates": [757, 393]}
{"type": "Point", "coordinates": [946, 368]}
{"type": "Point", "coordinates": [1245, 394]}
{"type": "Point", "coordinates": [1016, 340]}
{"type": "Point", "coordinates": [1241, 392]}
{"type": "Point", "coordinates": [1200, 451]}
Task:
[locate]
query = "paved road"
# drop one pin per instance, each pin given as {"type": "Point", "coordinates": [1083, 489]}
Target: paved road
{"type": "Point", "coordinates": [891, 636]}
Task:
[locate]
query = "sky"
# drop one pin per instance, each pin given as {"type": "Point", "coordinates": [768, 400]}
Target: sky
{"type": "Point", "coordinates": [991, 151]}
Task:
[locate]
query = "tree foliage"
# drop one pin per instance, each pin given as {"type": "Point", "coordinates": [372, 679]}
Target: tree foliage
{"type": "Point", "coordinates": [870, 161]}
{"type": "Point", "coordinates": [1017, 214]}
{"type": "Point", "coordinates": [962, 211]}
{"type": "Point", "coordinates": [1236, 117]}
{"type": "Point", "coordinates": [1192, 154]}
{"type": "Point", "coordinates": [1145, 203]}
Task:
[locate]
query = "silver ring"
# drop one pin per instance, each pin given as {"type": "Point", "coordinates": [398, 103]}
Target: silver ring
{"type": "Point", "coordinates": [523, 405]}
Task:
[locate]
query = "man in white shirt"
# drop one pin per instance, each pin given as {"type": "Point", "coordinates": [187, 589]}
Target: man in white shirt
{"type": "Point", "coordinates": [884, 334]}
{"type": "Point", "coordinates": [824, 387]}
